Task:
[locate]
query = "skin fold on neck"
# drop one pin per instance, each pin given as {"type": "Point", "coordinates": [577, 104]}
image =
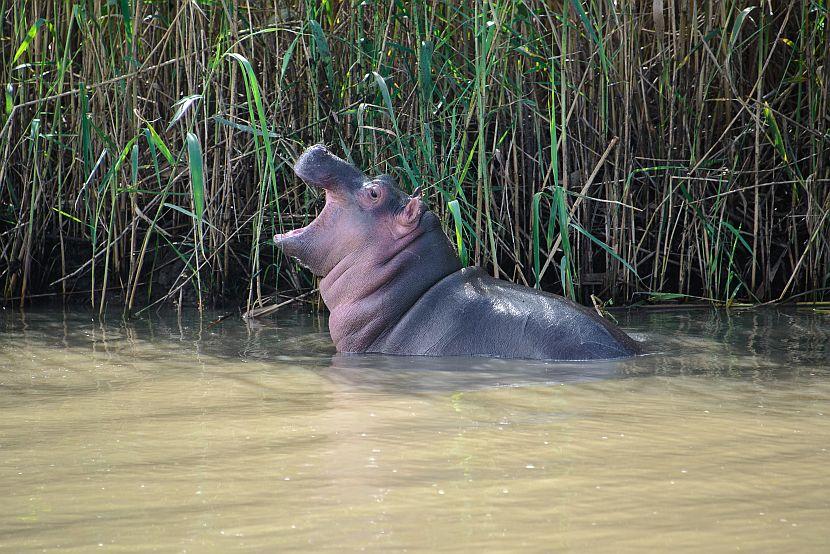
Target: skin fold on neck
{"type": "Point", "coordinates": [366, 296]}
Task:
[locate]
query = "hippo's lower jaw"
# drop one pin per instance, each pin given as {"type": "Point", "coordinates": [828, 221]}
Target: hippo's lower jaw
{"type": "Point", "coordinates": [291, 241]}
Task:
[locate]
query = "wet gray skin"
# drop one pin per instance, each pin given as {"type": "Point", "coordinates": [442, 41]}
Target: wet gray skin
{"type": "Point", "coordinates": [394, 285]}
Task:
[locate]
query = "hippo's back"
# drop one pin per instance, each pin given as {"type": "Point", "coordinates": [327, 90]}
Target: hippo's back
{"type": "Point", "coordinates": [471, 313]}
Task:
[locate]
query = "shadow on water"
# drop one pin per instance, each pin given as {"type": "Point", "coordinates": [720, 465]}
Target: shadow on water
{"type": "Point", "coordinates": [422, 374]}
{"type": "Point", "coordinates": [751, 344]}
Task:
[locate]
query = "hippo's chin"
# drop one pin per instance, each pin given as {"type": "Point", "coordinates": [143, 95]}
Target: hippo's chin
{"type": "Point", "coordinates": [291, 242]}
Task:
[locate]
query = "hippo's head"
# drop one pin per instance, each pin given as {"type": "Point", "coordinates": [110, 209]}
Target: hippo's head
{"type": "Point", "coordinates": [362, 217]}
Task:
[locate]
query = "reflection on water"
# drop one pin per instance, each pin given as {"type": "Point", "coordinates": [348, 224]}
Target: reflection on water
{"type": "Point", "coordinates": [178, 435]}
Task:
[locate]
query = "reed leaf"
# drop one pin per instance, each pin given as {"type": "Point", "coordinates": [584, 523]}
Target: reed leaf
{"type": "Point", "coordinates": [30, 36]}
{"type": "Point", "coordinates": [455, 210]}
{"type": "Point", "coordinates": [197, 177]}
{"type": "Point", "coordinates": [182, 106]}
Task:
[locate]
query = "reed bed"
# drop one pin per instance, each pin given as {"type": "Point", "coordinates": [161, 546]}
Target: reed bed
{"type": "Point", "coordinates": [615, 151]}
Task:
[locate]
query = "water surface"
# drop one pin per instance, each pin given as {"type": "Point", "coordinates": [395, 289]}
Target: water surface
{"type": "Point", "coordinates": [172, 434]}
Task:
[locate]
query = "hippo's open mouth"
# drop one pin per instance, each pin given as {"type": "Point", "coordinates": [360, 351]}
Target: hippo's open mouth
{"type": "Point", "coordinates": [304, 244]}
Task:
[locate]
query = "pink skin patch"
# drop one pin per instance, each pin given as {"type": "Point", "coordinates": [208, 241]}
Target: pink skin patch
{"type": "Point", "coordinates": [291, 233]}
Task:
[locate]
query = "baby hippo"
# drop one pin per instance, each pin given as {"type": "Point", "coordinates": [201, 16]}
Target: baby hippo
{"type": "Point", "coordinates": [394, 285]}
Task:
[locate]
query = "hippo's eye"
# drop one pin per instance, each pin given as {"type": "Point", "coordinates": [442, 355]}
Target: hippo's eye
{"type": "Point", "coordinates": [374, 193]}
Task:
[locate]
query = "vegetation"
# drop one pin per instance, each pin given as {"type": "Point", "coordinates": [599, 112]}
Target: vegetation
{"type": "Point", "coordinates": [627, 150]}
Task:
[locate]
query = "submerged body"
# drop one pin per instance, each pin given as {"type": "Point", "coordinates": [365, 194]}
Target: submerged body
{"type": "Point", "coordinates": [394, 285]}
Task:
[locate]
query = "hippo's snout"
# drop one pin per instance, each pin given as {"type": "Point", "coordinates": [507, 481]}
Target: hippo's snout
{"type": "Point", "coordinates": [320, 168]}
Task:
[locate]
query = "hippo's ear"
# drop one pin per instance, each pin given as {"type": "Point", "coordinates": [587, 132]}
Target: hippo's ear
{"type": "Point", "coordinates": [410, 215]}
{"type": "Point", "coordinates": [416, 193]}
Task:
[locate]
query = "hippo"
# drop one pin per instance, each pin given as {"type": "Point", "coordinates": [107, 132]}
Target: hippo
{"type": "Point", "coordinates": [393, 283]}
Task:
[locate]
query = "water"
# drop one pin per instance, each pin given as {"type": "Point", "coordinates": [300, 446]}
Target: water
{"type": "Point", "coordinates": [178, 435]}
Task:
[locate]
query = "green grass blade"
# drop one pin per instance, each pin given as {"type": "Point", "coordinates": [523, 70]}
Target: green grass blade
{"type": "Point", "coordinates": [592, 33]}
{"type": "Point", "coordinates": [736, 28]}
{"type": "Point", "coordinates": [387, 100]}
{"type": "Point", "coordinates": [155, 141]}
{"type": "Point", "coordinates": [182, 106]}
{"type": "Point", "coordinates": [323, 49]}
{"type": "Point", "coordinates": [455, 210]}
{"type": "Point", "coordinates": [134, 166]}
{"type": "Point", "coordinates": [197, 178]}
{"type": "Point", "coordinates": [776, 138]}
{"type": "Point", "coordinates": [30, 36]}
{"type": "Point", "coordinates": [69, 216]}
{"type": "Point", "coordinates": [127, 15]}
{"type": "Point", "coordinates": [605, 247]}
{"type": "Point", "coordinates": [535, 238]}
{"type": "Point", "coordinates": [737, 234]}
{"type": "Point", "coordinates": [559, 206]}
{"type": "Point", "coordinates": [8, 91]}
{"type": "Point", "coordinates": [286, 58]}
{"type": "Point", "coordinates": [425, 70]}
{"type": "Point", "coordinates": [189, 214]}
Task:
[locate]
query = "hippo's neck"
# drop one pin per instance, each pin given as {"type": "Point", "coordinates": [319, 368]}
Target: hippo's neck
{"type": "Point", "coordinates": [366, 298]}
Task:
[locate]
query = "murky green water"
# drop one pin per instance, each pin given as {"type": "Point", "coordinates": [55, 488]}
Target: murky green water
{"type": "Point", "coordinates": [172, 435]}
